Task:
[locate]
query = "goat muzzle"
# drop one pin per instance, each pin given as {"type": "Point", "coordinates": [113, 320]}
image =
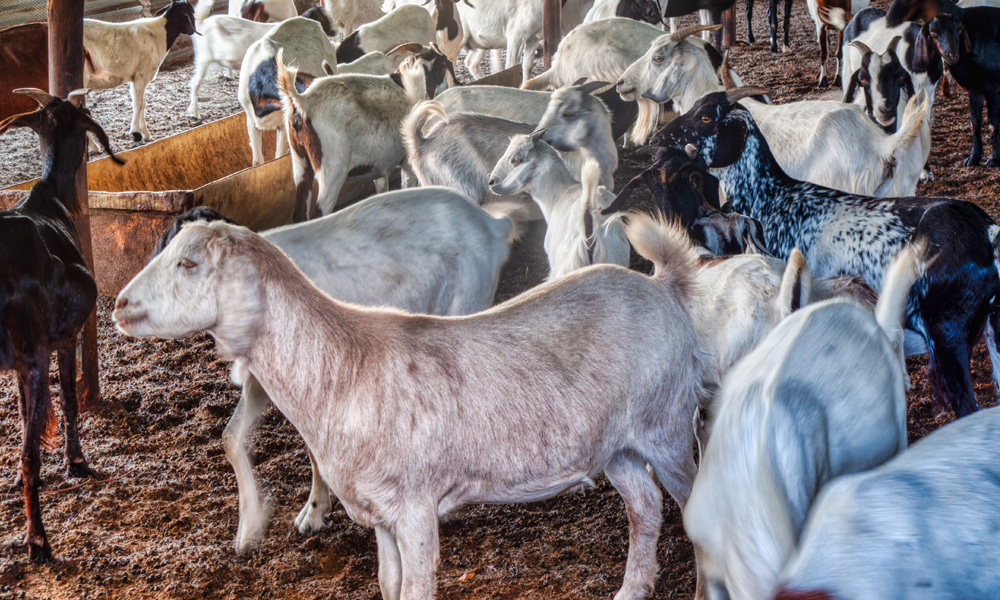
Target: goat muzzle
{"type": "Point", "coordinates": [691, 150]}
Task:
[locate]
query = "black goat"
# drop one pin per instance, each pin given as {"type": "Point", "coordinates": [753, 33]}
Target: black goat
{"type": "Point", "coordinates": [846, 234]}
{"type": "Point", "coordinates": [772, 21]}
{"type": "Point", "coordinates": [647, 11]}
{"type": "Point", "coordinates": [46, 293]}
{"type": "Point", "coordinates": [679, 189]}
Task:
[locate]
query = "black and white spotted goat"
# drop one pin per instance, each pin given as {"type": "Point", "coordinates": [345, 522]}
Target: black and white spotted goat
{"type": "Point", "coordinates": [848, 234]}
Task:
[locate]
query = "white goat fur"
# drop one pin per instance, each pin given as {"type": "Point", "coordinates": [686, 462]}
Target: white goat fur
{"type": "Point", "coordinates": [348, 15]}
{"type": "Point", "coordinates": [788, 421]}
{"type": "Point", "coordinates": [224, 40]}
{"type": "Point", "coordinates": [303, 43]}
{"type": "Point", "coordinates": [277, 10]}
{"type": "Point", "coordinates": [883, 533]}
{"type": "Point", "coordinates": [444, 259]}
{"type": "Point", "coordinates": [824, 142]}
{"type": "Point", "coordinates": [409, 23]}
{"type": "Point", "coordinates": [489, 405]}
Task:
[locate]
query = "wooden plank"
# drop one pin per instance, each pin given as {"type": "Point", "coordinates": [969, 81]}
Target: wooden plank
{"type": "Point", "coordinates": [66, 75]}
{"type": "Point", "coordinates": [551, 29]}
{"type": "Point", "coordinates": [728, 27]}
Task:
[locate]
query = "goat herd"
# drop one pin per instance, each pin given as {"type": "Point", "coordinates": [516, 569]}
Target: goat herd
{"type": "Point", "coordinates": [372, 328]}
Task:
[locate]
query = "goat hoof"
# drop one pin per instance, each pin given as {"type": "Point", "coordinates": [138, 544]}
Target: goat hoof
{"type": "Point", "coordinates": [18, 479]}
{"type": "Point", "coordinates": [136, 136]}
{"type": "Point", "coordinates": [39, 553]}
{"type": "Point", "coordinates": [993, 162]}
{"type": "Point", "coordinates": [973, 160]}
{"type": "Point", "coordinates": [82, 469]}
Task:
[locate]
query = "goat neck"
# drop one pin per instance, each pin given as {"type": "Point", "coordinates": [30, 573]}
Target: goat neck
{"type": "Point", "coordinates": [549, 190]}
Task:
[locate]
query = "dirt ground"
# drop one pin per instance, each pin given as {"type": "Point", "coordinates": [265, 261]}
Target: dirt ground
{"type": "Point", "coordinates": [163, 522]}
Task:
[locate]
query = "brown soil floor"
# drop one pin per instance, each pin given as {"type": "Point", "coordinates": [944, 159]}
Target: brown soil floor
{"type": "Point", "coordinates": [163, 524]}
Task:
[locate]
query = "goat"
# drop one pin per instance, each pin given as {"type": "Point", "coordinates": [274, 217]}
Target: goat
{"type": "Point", "coordinates": [345, 126]}
{"type": "Point", "coordinates": [847, 8]}
{"type": "Point", "coordinates": [772, 21]}
{"type": "Point", "coordinates": [969, 44]}
{"type": "Point", "coordinates": [726, 234]}
{"type": "Point", "coordinates": [300, 40]}
{"type": "Point", "coordinates": [408, 24]}
{"type": "Point", "coordinates": [882, 533]}
{"type": "Point", "coordinates": [131, 52]}
{"type": "Point", "coordinates": [267, 11]}
{"type": "Point", "coordinates": [837, 232]}
{"type": "Point", "coordinates": [678, 187]}
{"type": "Point", "coordinates": [784, 426]}
{"type": "Point", "coordinates": [24, 63]}
{"type": "Point", "coordinates": [46, 294]}
{"type": "Point", "coordinates": [450, 32]}
{"type": "Point", "coordinates": [646, 11]}
{"type": "Point", "coordinates": [492, 402]}
{"type": "Point", "coordinates": [576, 235]}
{"type": "Point", "coordinates": [444, 259]}
{"type": "Point", "coordinates": [348, 15]}
{"type": "Point", "coordinates": [882, 165]}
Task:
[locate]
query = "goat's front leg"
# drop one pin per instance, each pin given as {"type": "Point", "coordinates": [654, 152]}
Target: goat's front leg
{"type": "Point", "coordinates": [976, 117]}
{"type": "Point", "coordinates": [993, 114]}
{"type": "Point", "coordinates": [35, 420]}
{"type": "Point", "coordinates": [254, 512]}
{"type": "Point", "coordinates": [772, 23]}
{"type": "Point", "coordinates": [200, 69]}
{"type": "Point", "coordinates": [303, 176]}
{"type": "Point", "coordinates": [821, 38]}
{"type": "Point", "coordinates": [138, 129]}
{"type": "Point", "coordinates": [310, 518]}
{"type": "Point", "coordinates": [642, 501]}
{"type": "Point", "coordinates": [419, 552]}
{"type": "Point", "coordinates": [497, 61]}
{"type": "Point", "coordinates": [749, 15]}
{"type": "Point", "coordinates": [280, 143]}
{"type": "Point", "coordinates": [474, 63]}
{"type": "Point", "coordinates": [788, 21]}
{"type": "Point", "coordinates": [331, 176]}
{"type": "Point", "coordinates": [76, 464]}
{"type": "Point", "coordinates": [256, 141]}
{"type": "Point", "coordinates": [390, 572]}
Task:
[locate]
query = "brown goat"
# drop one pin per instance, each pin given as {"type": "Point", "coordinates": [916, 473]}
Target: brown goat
{"type": "Point", "coordinates": [46, 293]}
{"type": "Point", "coordinates": [22, 66]}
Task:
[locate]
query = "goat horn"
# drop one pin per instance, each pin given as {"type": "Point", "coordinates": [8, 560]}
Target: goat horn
{"type": "Point", "coordinates": [727, 76]}
{"type": "Point", "coordinates": [621, 200]}
{"type": "Point", "coordinates": [593, 86]}
{"type": "Point", "coordinates": [580, 81]}
{"type": "Point", "coordinates": [412, 48]}
{"type": "Point", "coordinates": [893, 44]}
{"type": "Point", "coordinates": [684, 32]}
{"type": "Point", "coordinates": [691, 150]}
{"type": "Point", "coordinates": [76, 97]}
{"type": "Point", "coordinates": [738, 94]}
{"type": "Point", "coordinates": [40, 96]}
{"type": "Point", "coordinates": [862, 47]}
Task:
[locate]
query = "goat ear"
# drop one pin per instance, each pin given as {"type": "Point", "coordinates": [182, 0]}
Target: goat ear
{"type": "Point", "coordinates": [730, 139]}
{"type": "Point", "coordinates": [708, 188]}
{"type": "Point", "coordinates": [102, 137]}
{"type": "Point", "coordinates": [536, 136]}
{"type": "Point", "coordinates": [966, 42]}
{"type": "Point", "coordinates": [328, 68]}
{"type": "Point", "coordinates": [32, 120]}
{"type": "Point", "coordinates": [593, 86]}
{"type": "Point", "coordinates": [754, 238]}
{"type": "Point", "coordinates": [796, 284]}
{"type": "Point", "coordinates": [580, 81]}
{"type": "Point", "coordinates": [852, 87]}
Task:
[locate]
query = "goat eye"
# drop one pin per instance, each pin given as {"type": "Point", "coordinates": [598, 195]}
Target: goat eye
{"type": "Point", "coordinates": [657, 59]}
{"type": "Point", "coordinates": [706, 119]}
{"type": "Point", "coordinates": [516, 161]}
{"type": "Point", "coordinates": [567, 115]}
{"type": "Point", "coordinates": [187, 264]}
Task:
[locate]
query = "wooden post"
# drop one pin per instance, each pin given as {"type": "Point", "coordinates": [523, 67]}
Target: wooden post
{"type": "Point", "coordinates": [551, 29]}
{"type": "Point", "coordinates": [728, 27]}
{"type": "Point", "coordinates": [66, 75]}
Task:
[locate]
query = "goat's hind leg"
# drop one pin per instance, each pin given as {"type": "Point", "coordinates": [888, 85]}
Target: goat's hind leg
{"type": "Point", "coordinates": [35, 419]}
{"type": "Point", "coordinates": [749, 15]}
{"type": "Point", "coordinates": [76, 464]}
{"type": "Point", "coordinates": [643, 501]}
{"type": "Point", "coordinates": [254, 512]}
{"type": "Point", "coordinates": [310, 518]}
{"type": "Point", "coordinates": [993, 114]}
{"type": "Point", "coordinates": [772, 23]}
{"type": "Point", "coordinates": [976, 118]}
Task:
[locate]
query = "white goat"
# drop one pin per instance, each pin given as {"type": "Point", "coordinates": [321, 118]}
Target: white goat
{"type": "Point", "coordinates": [410, 417]}
{"type": "Point", "coordinates": [444, 259]}
{"type": "Point", "coordinates": [348, 15]}
{"type": "Point", "coordinates": [263, 11]}
{"type": "Point", "coordinates": [131, 52]}
{"type": "Point", "coordinates": [787, 422]}
{"type": "Point", "coordinates": [824, 142]}
{"type": "Point", "coordinates": [299, 40]}
{"type": "Point", "coordinates": [577, 234]}
{"type": "Point", "coordinates": [345, 123]}
{"type": "Point", "coordinates": [920, 527]}
{"type": "Point", "coordinates": [408, 24]}
{"type": "Point", "coordinates": [450, 32]}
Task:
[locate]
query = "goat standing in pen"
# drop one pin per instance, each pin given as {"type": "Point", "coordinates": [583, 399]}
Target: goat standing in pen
{"type": "Point", "coordinates": [46, 293]}
{"type": "Point", "coordinates": [848, 234]}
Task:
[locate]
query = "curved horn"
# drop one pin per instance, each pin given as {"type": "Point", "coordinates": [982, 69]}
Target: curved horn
{"type": "Point", "coordinates": [893, 44]}
{"type": "Point", "coordinates": [76, 97]}
{"type": "Point", "coordinates": [620, 201]}
{"type": "Point", "coordinates": [593, 86]}
{"type": "Point", "coordinates": [738, 94]}
{"type": "Point", "coordinates": [684, 32]}
{"type": "Point", "coordinates": [40, 96]}
{"type": "Point", "coordinates": [727, 77]}
{"type": "Point", "coordinates": [412, 48]}
{"type": "Point", "coordinates": [580, 81]}
{"type": "Point", "coordinates": [862, 47]}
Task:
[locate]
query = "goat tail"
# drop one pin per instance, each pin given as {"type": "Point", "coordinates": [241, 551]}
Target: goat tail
{"type": "Point", "coordinates": [796, 284]}
{"type": "Point", "coordinates": [835, 17]}
{"type": "Point", "coordinates": [914, 118]}
{"type": "Point", "coordinates": [290, 99]}
{"type": "Point", "coordinates": [541, 83]}
{"type": "Point", "coordinates": [666, 244]}
{"type": "Point", "coordinates": [388, 6]}
{"type": "Point", "coordinates": [414, 122]}
{"type": "Point", "coordinates": [909, 265]}
{"type": "Point", "coordinates": [590, 179]}
{"type": "Point", "coordinates": [515, 214]}
{"type": "Point", "coordinates": [201, 11]}
{"type": "Point", "coordinates": [645, 122]}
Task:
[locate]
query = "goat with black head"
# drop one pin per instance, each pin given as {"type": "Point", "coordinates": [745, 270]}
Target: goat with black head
{"type": "Point", "coordinates": [882, 79]}
{"type": "Point", "coordinates": [848, 234]}
{"type": "Point", "coordinates": [647, 11]}
{"type": "Point", "coordinates": [46, 293]}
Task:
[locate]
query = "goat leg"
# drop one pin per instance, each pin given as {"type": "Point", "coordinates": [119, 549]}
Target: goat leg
{"type": "Point", "coordinates": [35, 418]}
{"type": "Point", "coordinates": [788, 20]}
{"type": "Point", "coordinates": [749, 15]}
{"type": "Point", "coordinates": [76, 464]}
{"type": "Point", "coordinates": [772, 23]}
{"type": "Point", "coordinates": [976, 117]}
{"type": "Point", "coordinates": [821, 38]}
{"type": "Point", "coordinates": [993, 114]}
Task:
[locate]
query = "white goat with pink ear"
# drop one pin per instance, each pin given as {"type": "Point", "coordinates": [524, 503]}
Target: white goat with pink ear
{"type": "Point", "coordinates": [410, 417]}
{"type": "Point", "coordinates": [788, 421]}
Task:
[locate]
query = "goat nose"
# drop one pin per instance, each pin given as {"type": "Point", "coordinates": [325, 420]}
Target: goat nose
{"type": "Point", "coordinates": [121, 303]}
